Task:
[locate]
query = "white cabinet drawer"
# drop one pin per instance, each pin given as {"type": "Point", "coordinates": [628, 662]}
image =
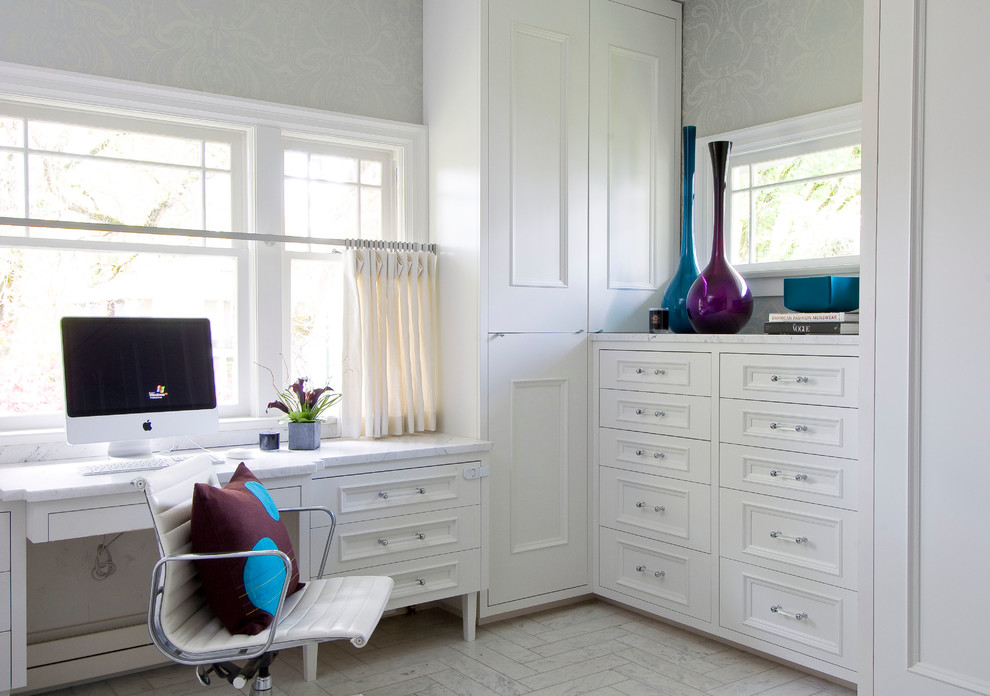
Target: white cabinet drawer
{"type": "Point", "coordinates": [672, 373]}
{"type": "Point", "coordinates": [812, 429]}
{"type": "Point", "coordinates": [5, 661]}
{"type": "Point", "coordinates": [398, 538]}
{"type": "Point", "coordinates": [676, 457]}
{"type": "Point", "coordinates": [673, 577]}
{"type": "Point", "coordinates": [678, 512]}
{"type": "Point", "coordinates": [809, 478]}
{"type": "Point", "coordinates": [662, 414]}
{"type": "Point", "coordinates": [801, 379]}
{"type": "Point", "coordinates": [4, 541]}
{"type": "Point", "coordinates": [812, 541]}
{"type": "Point", "coordinates": [4, 601]}
{"type": "Point", "coordinates": [765, 605]}
{"type": "Point", "coordinates": [367, 496]}
{"type": "Point", "coordinates": [430, 579]}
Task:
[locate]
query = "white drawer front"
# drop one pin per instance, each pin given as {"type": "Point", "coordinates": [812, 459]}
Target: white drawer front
{"type": "Point", "coordinates": [4, 541]}
{"type": "Point", "coordinates": [656, 454]}
{"type": "Point", "coordinates": [801, 379]}
{"type": "Point", "coordinates": [661, 414]}
{"type": "Point", "coordinates": [5, 660]}
{"type": "Point", "coordinates": [673, 373]}
{"type": "Point", "coordinates": [670, 576]}
{"type": "Point", "coordinates": [765, 605]}
{"type": "Point", "coordinates": [399, 538]}
{"type": "Point", "coordinates": [367, 496]}
{"type": "Point", "coordinates": [812, 541]}
{"type": "Point", "coordinates": [812, 429]}
{"type": "Point", "coordinates": [4, 601]}
{"type": "Point", "coordinates": [666, 509]}
{"type": "Point", "coordinates": [430, 579]}
{"type": "Point", "coordinates": [807, 477]}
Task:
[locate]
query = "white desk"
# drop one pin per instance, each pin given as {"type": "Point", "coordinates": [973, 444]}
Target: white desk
{"type": "Point", "coordinates": [52, 501]}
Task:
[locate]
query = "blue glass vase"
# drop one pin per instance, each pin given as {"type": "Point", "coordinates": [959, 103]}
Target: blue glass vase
{"type": "Point", "coordinates": [675, 296]}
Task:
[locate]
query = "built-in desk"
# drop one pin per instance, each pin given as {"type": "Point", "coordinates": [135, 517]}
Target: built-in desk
{"type": "Point", "coordinates": [422, 491]}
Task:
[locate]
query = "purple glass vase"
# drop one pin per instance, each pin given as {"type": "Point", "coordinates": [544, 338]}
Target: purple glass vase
{"type": "Point", "coordinates": [719, 301]}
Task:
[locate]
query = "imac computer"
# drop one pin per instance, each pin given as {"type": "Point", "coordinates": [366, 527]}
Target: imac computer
{"type": "Point", "coordinates": [131, 379]}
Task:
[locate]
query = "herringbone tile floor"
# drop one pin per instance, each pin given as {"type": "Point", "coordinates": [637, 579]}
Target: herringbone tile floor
{"type": "Point", "coordinates": [592, 648]}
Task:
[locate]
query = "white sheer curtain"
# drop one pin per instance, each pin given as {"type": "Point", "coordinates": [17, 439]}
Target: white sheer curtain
{"type": "Point", "coordinates": [390, 308]}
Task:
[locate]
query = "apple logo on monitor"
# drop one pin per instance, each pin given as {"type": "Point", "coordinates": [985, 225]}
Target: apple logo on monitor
{"type": "Point", "coordinates": [147, 426]}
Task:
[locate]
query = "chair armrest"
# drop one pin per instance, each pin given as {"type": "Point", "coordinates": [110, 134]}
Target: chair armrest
{"type": "Point", "coordinates": [157, 630]}
{"type": "Point", "coordinates": [333, 526]}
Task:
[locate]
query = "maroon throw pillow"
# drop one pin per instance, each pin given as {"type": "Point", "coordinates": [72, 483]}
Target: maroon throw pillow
{"type": "Point", "coordinates": [242, 592]}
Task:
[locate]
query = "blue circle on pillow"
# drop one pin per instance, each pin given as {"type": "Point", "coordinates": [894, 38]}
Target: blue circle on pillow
{"type": "Point", "coordinates": [261, 494]}
{"type": "Point", "coordinates": [264, 577]}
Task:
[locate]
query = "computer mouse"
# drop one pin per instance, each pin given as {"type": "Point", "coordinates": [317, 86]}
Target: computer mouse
{"type": "Point", "coordinates": [240, 453]}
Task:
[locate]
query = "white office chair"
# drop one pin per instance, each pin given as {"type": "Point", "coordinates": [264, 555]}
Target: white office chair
{"type": "Point", "coordinates": [184, 628]}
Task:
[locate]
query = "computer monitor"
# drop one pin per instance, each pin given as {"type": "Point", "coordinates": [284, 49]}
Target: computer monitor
{"type": "Point", "coordinates": [131, 379]}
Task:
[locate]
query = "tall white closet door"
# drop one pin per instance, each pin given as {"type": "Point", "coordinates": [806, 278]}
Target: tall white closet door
{"type": "Point", "coordinates": [538, 165]}
{"type": "Point", "coordinates": [932, 372]}
{"type": "Point", "coordinates": [538, 422]}
{"type": "Point", "coordinates": [634, 160]}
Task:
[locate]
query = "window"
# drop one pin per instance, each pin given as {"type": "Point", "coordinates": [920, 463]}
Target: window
{"type": "Point", "coordinates": [182, 204]}
{"type": "Point", "coordinates": [793, 196]}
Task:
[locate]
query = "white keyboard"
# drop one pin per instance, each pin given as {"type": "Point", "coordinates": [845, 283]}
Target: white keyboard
{"type": "Point", "coordinates": [125, 465]}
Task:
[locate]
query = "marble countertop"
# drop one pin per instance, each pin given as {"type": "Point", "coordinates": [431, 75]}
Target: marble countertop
{"type": "Point", "coordinates": [59, 480]}
{"type": "Point", "coordinates": [738, 339]}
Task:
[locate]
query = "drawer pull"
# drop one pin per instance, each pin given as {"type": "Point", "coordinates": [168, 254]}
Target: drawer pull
{"type": "Point", "coordinates": [658, 372]}
{"type": "Point", "coordinates": [798, 428]}
{"type": "Point", "coordinates": [656, 508]}
{"type": "Point", "coordinates": [421, 491]}
{"type": "Point", "coordinates": [797, 477]}
{"type": "Point", "coordinates": [383, 495]}
{"type": "Point", "coordinates": [420, 535]}
{"type": "Point", "coordinates": [420, 581]}
{"type": "Point", "coordinates": [383, 542]}
{"type": "Point", "coordinates": [799, 379]}
{"type": "Point", "coordinates": [777, 609]}
{"type": "Point", "coordinates": [796, 540]}
{"type": "Point", "coordinates": [656, 455]}
{"type": "Point", "coordinates": [658, 414]}
{"type": "Point", "coordinates": [656, 573]}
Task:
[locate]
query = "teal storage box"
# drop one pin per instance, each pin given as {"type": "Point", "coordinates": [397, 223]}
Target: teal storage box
{"type": "Point", "coordinates": [822, 294]}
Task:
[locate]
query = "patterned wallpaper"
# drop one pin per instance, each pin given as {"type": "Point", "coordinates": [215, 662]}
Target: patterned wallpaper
{"type": "Point", "coordinates": [748, 62]}
{"type": "Point", "coordinates": [354, 56]}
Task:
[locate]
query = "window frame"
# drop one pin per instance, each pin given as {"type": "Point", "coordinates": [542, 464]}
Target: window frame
{"type": "Point", "coordinates": [263, 293]}
{"type": "Point", "coordinates": [789, 137]}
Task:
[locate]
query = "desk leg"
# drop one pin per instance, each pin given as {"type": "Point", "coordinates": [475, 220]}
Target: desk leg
{"type": "Point", "coordinates": [309, 661]}
{"type": "Point", "coordinates": [469, 613]}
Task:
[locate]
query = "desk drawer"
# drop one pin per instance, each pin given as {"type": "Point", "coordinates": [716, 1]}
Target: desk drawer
{"type": "Point", "coordinates": [4, 541]}
{"type": "Point", "coordinates": [676, 457]}
{"type": "Point", "coordinates": [800, 379]}
{"type": "Point", "coordinates": [5, 601]}
{"type": "Point", "coordinates": [669, 576]}
{"type": "Point", "coordinates": [810, 478]}
{"type": "Point", "coordinates": [398, 538]}
{"type": "Point", "coordinates": [671, 373]}
{"type": "Point", "coordinates": [826, 629]}
{"type": "Point", "coordinates": [430, 579]}
{"type": "Point", "coordinates": [661, 414]}
{"type": "Point", "coordinates": [811, 429]}
{"type": "Point", "coordinates": [368, 496]}
{"type": "Point", "coordinates": [813, 541]}
{"type": "Point", "coordinates": [678, 512]}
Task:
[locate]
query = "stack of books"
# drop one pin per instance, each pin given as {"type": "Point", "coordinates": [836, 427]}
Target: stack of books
{"type": "Point", "coordinates": [796, 323]}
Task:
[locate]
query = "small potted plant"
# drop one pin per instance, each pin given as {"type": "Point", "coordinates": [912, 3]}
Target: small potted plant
{"type": "Point", "coordinates": [302, 409]}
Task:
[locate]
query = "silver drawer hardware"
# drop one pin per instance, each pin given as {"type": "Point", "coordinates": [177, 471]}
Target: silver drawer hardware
{"type": "Point", "coordinates": [641, 371]}
{"type": "Point", "coordinates": [656, 508]}
{"type": "Point", "coordinates": [799, 379]}
{"type": "Point", "coordinates": [798, 428]}
{"type": "Point", "coordinates": [383, 495]}
{"type": "Point", "coordinates": [421, 491]}
{"type": "Point", "coordinates": [796, 540]}
{"type": "Point", "coordinates": [656, 573]}
{"type": "Point", "coordinates": [658, 414]}
{"type": "Point", "coordinates": [419, 535]}
{"type": "Point", "coordinates": [639, 453]}
{"type": "Point", "coordinates": [777, 609]}
{"type": "Point", "coordinates": [797, 477]}
{"type": "Point", "coordinates": [420, 581]}
{"type": "Point", "coordinates": [383, 542]}
{"type": "Point", "coordinates": [656, 455]}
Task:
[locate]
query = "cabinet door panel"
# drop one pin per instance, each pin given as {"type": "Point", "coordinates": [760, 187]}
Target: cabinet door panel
{"type": "Point", "coordinates": [633, 160]}
{"type": "Point", "coordinates": [539, 494]}
{"type": "Point", "coordinates": [538, 152]}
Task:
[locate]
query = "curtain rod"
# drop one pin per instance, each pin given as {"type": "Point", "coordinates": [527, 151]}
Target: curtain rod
{"type": "Point", "coordinates": [209, 234]}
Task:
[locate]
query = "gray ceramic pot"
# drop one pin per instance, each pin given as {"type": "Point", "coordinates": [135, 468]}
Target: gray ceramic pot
{"type": "Point", "coordinates": [304, 436]}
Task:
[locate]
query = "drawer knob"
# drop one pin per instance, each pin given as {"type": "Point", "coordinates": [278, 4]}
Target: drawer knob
{"type": "Point", "coordinates": [659, 455]}
{"type": "Point", "coordinates": [383, 542]}
{"type": "Point", "coordinates": [383, 495]}
{"type": "Point", "coordinates": [796, 540]}
{"type": "Point", "coordinates": [420, 535]}
{"type": "Point", "coordinates": [777, 609]}
{"type": "Point", "coordinates": [656, 573]}
{"type": "Point", "coordinates": [799, 379]}
{"type": "Point", "coordinates": [659, 372]}
{"type": "Point", "coordinates": [639, 453]}
{"type": "Point", "coordinates": [659, 414]}
{"type": "Point", "coordinates": [797, 477]}
{"type": "Point", "coordinates": [420, 581]}
{"type": "Point", "coordinates": [421, 491]}
{"type": "Point", "coordinates": [656, 508]}
{"type": "Point", "coordinates": [797, 428]}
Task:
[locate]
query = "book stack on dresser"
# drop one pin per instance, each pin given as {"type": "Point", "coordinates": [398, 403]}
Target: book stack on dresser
{"type": "Point", "coordinates": [797, 323]}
